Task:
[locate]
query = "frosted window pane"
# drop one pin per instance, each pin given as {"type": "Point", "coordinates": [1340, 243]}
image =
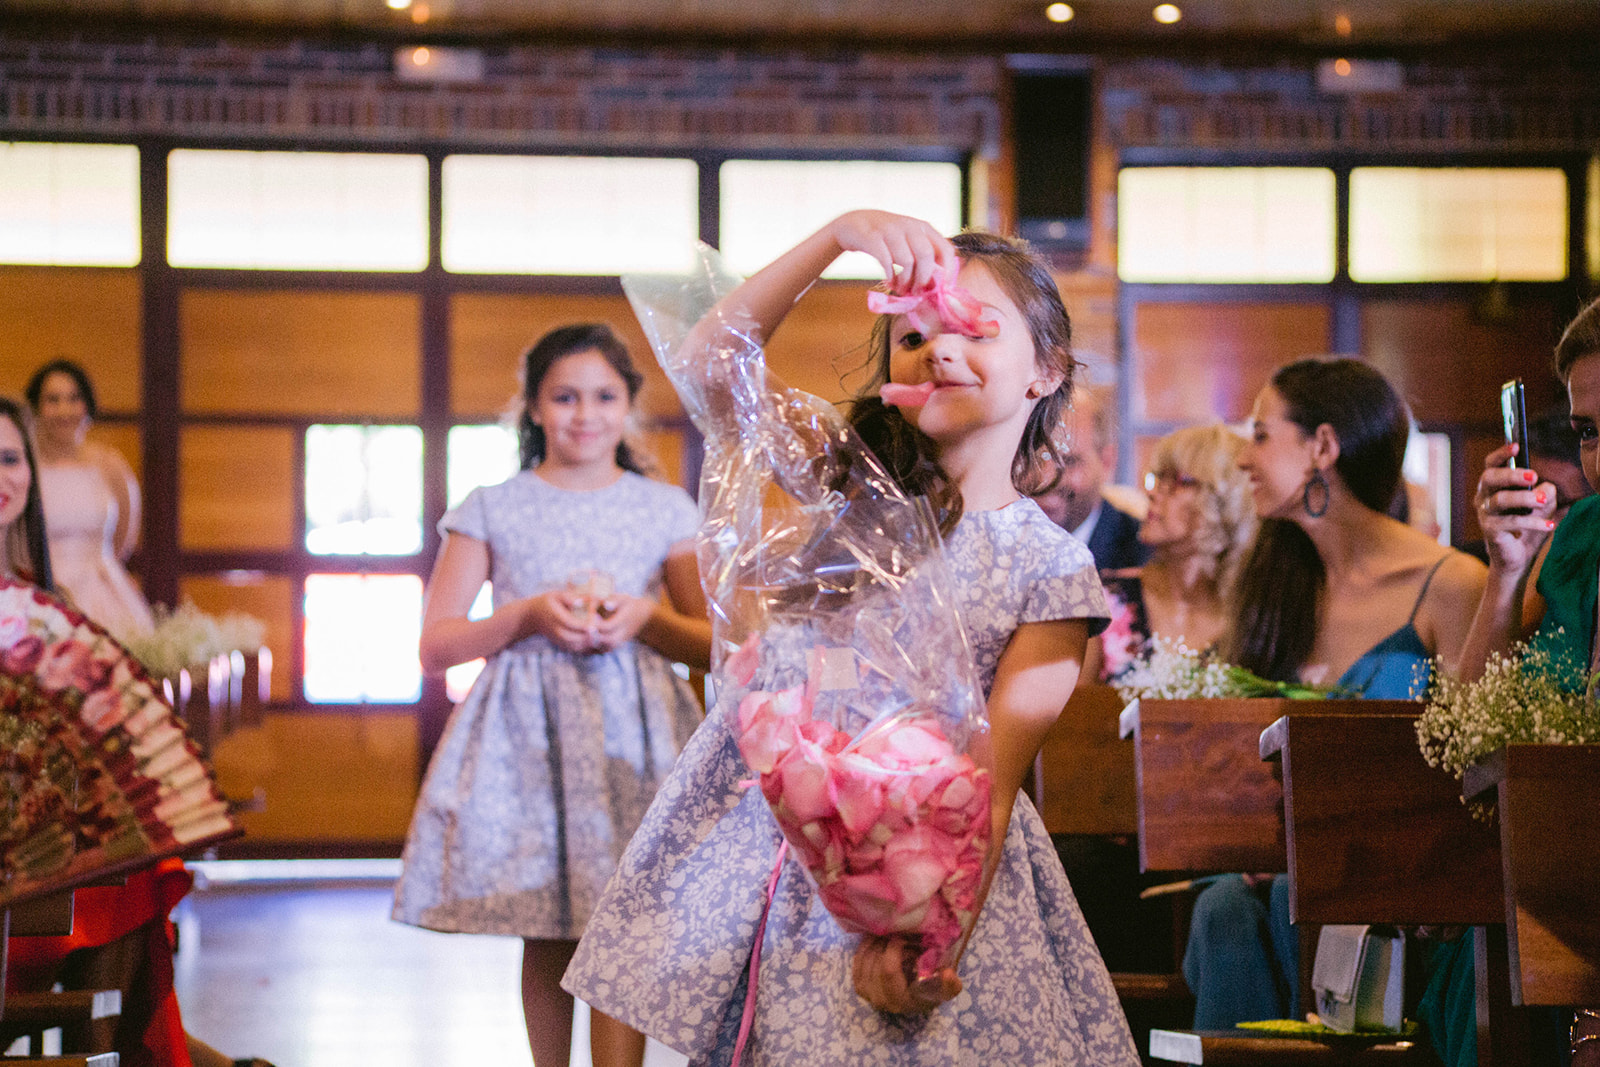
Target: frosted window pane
{"type": "Point", "coordinates": [769, 205]}
{"type": "Point", "coordinates": [297, 210]}
{"type": "Point", "coordinates": [1411, 224]}
{"type": "Point", "coordinates": [458, 679]}
{"type": "Point", "coordinates": [1225, 224]}
{"type": "Point", "coordinates": [74, 205]}
{"type": "Point", "coordinates": [477, 455]}
{"type": "Point", "coordinates": [363, 490]}
{"type": "Point", "coordinates": [569, 214]}
{"type": "Point", "coordinates": [361, 638]}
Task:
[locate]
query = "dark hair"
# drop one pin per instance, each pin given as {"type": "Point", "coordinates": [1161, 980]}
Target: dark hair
{"type": "Point", "coordinates": [1551, 435]}
{"type": "Point", "coordinates": [1580, 338]}
{"type": "Point", "coordinates": [909, 454]}
{"type": "Point", "coordinates": [27, 549]}
{"type": "Point", "coordinates": [1281, 582]}
{"type": "Point", "coordinates": [554, 346]}
{"type": "Point", "coordinates": [35, 387]}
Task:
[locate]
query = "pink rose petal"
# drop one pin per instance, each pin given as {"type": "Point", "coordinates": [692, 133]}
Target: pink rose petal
{"type": "Point", "coordinates": [906, 396]}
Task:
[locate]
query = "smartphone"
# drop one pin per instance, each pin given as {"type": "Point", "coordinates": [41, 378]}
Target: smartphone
{"type": "Point", "coordinates": [1514, 416]}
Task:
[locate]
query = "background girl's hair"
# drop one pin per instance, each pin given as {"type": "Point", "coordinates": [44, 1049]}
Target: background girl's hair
{"type": "Point", "coordinates": [1281, 583]}
{"type": "Point", "coordinates": [27, 549]}
{"type": "Point", "coordinates": [908, 454]}
{"type": "Point", "coordinates": [35, 387]}
{"type": "Point", "coordinates": [536, 363]}
{"type": "Point", "coordinates": [1580, 338]}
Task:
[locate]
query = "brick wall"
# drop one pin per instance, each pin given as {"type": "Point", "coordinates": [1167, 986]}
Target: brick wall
{"type": "Point", "coordinates": [528, 95]}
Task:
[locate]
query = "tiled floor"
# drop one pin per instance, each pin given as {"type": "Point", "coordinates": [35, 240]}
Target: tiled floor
{"type": "Point", "coordinates": [312, 973]}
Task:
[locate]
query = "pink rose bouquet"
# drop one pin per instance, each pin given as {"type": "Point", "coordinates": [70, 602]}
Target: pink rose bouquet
{"type": "Point", "coordinates": [845, 675]}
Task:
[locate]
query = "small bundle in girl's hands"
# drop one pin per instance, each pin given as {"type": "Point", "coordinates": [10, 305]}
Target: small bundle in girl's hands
{"type": "Point", "coordinates": [846, 678]}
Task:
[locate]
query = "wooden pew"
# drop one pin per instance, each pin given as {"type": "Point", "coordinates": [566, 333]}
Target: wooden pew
{"type": "Point", "coordinates": [1083, 776]}
{"type": "Point", "coordinates": [1548, 807]}
{"type": "Point", "coordinates": [1375, 835]}
{"type": "Point", "coordinates": [86, 1018]}
{"type": "Point", "coordinates": [1206, 801]}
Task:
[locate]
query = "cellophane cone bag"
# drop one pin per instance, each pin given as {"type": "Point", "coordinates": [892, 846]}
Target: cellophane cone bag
{"type": "Point", "coordinates": [840, 660]}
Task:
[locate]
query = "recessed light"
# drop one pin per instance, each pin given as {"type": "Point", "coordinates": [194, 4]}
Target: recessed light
{"type": "Point", "coordinates": [1059, 12]}
{"type": "Point", "coordinates": [398, 5]}
{"type": "Point", "coordinates": [1167, 14]}
{"type": "Point", "coordinates": [1341, 25]}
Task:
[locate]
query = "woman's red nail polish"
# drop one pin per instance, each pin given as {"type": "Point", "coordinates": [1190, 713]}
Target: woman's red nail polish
{"type": "Point", "coordinates": [1549, 524]}
{"type": "Point", "coordinates": [1529, 476]}
{"type": "Point", "coordinates": [1538, 498]}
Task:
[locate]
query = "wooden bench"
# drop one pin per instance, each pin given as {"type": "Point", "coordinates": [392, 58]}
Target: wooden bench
{"type": "Point", "coordinates": [1375, 835]}
{"type": "Point", "coordinates": [1548, 808]}
{"type": "Point", "coordinates": [86, 1018]}
{"type": "Point", "coordinates": [1244, 1047]}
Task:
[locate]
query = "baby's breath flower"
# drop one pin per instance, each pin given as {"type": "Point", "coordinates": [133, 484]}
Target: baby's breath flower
{"type": "Point", "coordinates": [1527, 697]}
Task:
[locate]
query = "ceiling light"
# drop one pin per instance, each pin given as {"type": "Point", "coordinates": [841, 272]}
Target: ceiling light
{"type": "Point", "coordinates": [398, 5]}
{"type": "Point", "coordinates": [420, 14]}
{"type": "Point", "coordinates": [1059, 12]}
{"type": "Point", "coordinates": [1341, 25]}
{"type": "Point", "coordinates": [1167, 14]}
{"type": "Point", "coordinates": [1341, 67]}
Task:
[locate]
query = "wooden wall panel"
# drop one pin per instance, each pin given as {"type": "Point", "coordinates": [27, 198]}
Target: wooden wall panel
{"type": "Point", "coordinates": [1448, 361]}
{"type": "Point", "coordinates": [343, 355]}
{"type": "Point", "coordinates": [1198, 362]}
{"type": "Point", "coordinates": [237, 488]}
{"type": "Point", "coordinates": [269, 598]}
{"type": "Point", "coordinates": [822, 345]}
{"type": "Point", "coordinates": [92, 317]}
{"type": "Point", "coordinates": [325, 776]}
{"type": "Point", "coordinates": [666, 447]}
{"type": "Point", "coordinates": [490, 331]}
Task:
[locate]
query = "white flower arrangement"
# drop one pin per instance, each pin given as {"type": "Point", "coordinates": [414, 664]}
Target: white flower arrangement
{"type": "Point", "coordinates": [186, 636]}
{"type": "Point", "coordinates": [1528, 697]}
{"type": "Point", "coordinates": [1174, 671]}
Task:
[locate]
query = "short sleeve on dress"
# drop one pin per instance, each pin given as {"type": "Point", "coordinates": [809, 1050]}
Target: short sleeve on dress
{"type": "Point", "coordinates": [681, 515]}
{"type": "Point", "coordinates": [1065, 584]}
{"type": "Point", "coordinates": [468, 517]}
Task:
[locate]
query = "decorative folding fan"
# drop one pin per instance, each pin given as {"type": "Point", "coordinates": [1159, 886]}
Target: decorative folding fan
{"type": "Point", "coordinates": [97, 775]}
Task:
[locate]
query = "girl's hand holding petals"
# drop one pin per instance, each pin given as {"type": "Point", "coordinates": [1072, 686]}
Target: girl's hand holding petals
{"type": "Point", "coordinates": [882, 971]}
{"type": "Point", "coordinates": [910, 251]}
{"type": "Point", "coordinates": [621, 619]}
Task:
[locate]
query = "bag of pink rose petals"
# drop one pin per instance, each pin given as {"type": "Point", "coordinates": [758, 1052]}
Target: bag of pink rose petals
{"type": "Point", "coordinates": [845, 674]}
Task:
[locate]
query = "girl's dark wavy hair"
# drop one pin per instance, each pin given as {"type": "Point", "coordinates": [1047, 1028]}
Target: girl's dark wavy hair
{"type": "Point", "coordinates": [536, 363]}
{"type": "Point", "coordinates": [1279, 590]}
{"type": "Point", "coordinates": [26, 545]}
{"type": "Point", "coordinates": [909, 454]}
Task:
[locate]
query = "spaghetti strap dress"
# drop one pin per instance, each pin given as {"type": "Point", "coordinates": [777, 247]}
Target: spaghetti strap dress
{"type": "Point", "coordinates": [668, 948]}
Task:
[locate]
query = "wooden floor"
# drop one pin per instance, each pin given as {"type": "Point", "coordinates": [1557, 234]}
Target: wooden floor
{"type": "Point", "coordinates": [310, 972]}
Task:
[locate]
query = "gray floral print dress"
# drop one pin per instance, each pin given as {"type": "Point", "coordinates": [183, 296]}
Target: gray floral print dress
{"type": "Point", "coordinates": [547, 766]}
{"type": "Point", "coordinates": [668, 947]}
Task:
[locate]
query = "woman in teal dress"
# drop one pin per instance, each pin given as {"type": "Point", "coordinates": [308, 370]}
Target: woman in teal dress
{"type": "Point", "coordinates": [1335, 592]}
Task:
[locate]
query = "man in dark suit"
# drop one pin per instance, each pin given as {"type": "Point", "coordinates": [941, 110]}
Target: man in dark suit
{"type": "Point", "coordinates": [1078, 503]}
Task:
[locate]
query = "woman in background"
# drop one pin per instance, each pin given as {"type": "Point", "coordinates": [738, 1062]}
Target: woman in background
{"type": "Point", "coordinates": [1199, 525]}
{"type": "Point", "coordinates": [1335, 592]}
{"type": "Point", "coordinates": [91, 502]}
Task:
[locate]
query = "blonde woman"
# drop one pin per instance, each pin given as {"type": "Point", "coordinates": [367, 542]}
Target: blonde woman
{"type": "Point", "coordinates": [1199, 526]}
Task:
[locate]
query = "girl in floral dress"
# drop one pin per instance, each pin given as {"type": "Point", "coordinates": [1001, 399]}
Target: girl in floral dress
{"type": "Point", "coordinates": [549, 763]}
{"type": "Point", "coordinates": [668, 947]}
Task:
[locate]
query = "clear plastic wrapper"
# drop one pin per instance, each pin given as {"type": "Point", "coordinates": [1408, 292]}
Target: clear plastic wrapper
{"type": "Point", "coordinates": [842, 665]}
